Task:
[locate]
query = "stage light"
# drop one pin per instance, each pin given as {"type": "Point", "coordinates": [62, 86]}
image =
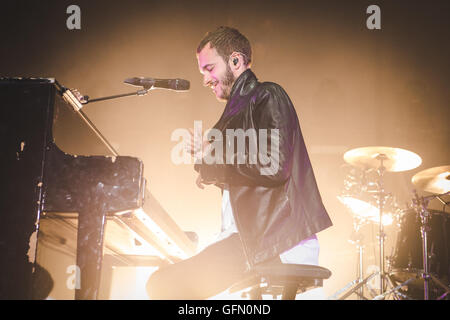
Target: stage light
{"type": "Point", "coordinates": [365, 211]}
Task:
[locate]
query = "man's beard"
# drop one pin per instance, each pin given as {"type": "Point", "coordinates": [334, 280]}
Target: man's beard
{"type": "Point", "coordinates": [227, 83]}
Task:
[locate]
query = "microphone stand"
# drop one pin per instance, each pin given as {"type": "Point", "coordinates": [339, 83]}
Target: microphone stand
{"type": "Point", "coordinates": [141, 92]}
{"type": "Point", "coordinates": [137, 93]}
{"type": "Point", "coordinates": [77, 102]}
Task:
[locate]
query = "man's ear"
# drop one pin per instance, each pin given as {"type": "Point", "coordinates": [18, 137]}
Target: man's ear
{"type": "Point", "coordinates": [236, 60]}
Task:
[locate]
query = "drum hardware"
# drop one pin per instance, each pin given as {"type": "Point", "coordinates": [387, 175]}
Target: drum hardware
{"type": "Point", "coordinates": [357, 289]}
{"type": "Point", "coordinates": [381, 170]}
{"type": "Point", "coordinates": [407, 260]}
{"type": "Point", "coordinates": [360, 248]}
{"type": "Point", "coordinates": [356, 238]}
{"type": "Point", "coordinates": [356, 186]}
{"type": "Point", "coordinates": [434, 180]}
{"type": "Point", "coordinates": [422, 204]}
{"type": "Point", "coordinates": [360, 196]}
{"type": "Point", "coordinates": [383, 159]}
{"type": "Point", "coordinates": [363, 212]}
{"type": "Point", "coordinates": [394, 290]}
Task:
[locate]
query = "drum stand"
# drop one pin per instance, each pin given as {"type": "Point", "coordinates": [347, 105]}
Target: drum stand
{"type": "Point", "coordinates": [384, 277]}
{"type": "Point", "coordinates": [359, 282]}
{"type": "Point", "coordinates": [385, 159]}
{"type": "Point", "coordinates": [426, 275]}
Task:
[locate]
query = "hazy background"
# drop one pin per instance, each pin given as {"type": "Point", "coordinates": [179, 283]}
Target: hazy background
{"type": "Point", "coordinates": [352, 87]}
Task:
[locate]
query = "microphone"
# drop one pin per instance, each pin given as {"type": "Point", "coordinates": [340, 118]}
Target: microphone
{"type": "Point", "coordinates": [153, 83]}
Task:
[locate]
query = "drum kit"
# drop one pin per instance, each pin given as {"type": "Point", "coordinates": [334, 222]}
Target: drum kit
{"type": "Point", "coordinates": [420, 265]}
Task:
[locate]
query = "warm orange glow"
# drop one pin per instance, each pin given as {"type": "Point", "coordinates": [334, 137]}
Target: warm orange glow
{"type": "Point", "coordinates": [351, 87]}
{"type": "Point", "coordinates": [169, 244]}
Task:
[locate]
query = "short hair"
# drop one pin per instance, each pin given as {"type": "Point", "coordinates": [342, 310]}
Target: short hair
{"type": "Point", "coordinates": [227, 40]}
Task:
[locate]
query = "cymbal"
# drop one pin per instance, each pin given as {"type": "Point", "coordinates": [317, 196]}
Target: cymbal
{"type": "Point", "coordinates": [394, 159]}
{"type": "Point", "coordinates": [434, 180]}
{"type": "Point", "coordinates": [364, 210]}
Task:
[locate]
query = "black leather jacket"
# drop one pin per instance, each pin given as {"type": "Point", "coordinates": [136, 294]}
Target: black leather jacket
{"type": "Point", "coordinates": [274, 212]}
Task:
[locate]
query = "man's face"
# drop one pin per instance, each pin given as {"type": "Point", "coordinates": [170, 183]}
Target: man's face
{"type": "Point", "coordinates": [216, 73]}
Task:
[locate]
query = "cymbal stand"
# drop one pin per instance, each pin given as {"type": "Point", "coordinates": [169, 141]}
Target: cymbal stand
{"type": "Point", "coordinates": [359, 282]}
{"type": "Point", "coordinates": [356, 289]}
{"type": "Point", "coordinates": [360, 247]}
{"type": "Point", "coordinates": [427, 276]}
{"type": "Point", "coordinates": [394, 290]}
{"type": "Point", "coordinates": [381, 193]}
{"type": "Point", "coordinates": [381, 201]}
{"type": "Point", "coordinates": [357, 239]}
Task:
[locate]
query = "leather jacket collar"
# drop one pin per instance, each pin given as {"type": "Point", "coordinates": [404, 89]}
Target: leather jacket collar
{"type": "Point", "coordinates": [242, 87]}
{"type": "Point", "coordinates": [244, 84]}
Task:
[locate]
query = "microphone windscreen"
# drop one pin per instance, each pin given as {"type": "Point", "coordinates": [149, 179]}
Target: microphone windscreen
{"type": "Point", "coordinates": [172, 84]}
{"type": "Point", "coordinates": [180, 84]}
{"type": "Point", "coordinates": [133, 81]}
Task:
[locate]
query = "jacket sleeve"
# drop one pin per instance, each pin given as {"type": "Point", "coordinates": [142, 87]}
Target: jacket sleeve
{"type": "Point", "coordinates": [274, 114]}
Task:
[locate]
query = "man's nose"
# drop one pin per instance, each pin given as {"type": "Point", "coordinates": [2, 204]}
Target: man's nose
{"type": "Point", "coordinates": [206, 80]}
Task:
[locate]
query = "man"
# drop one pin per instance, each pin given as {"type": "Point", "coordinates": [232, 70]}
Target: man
{"type": "Point", "coordinates": [267, 215]}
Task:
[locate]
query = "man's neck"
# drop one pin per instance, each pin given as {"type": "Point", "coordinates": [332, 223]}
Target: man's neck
{"type": "Point", "coordinates": [237, 73]}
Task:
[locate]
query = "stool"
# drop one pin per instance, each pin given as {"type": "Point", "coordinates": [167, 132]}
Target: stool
{"type": "Point", "coordinates": [284, 279]}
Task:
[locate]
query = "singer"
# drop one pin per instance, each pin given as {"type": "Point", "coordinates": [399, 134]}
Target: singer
{"type": "Point", "coordinates": [264, 217]}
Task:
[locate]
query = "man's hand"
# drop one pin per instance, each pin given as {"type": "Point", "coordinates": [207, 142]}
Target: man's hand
{"type": "Point", "coordinates": [199, 182]}
{"type": "Point", "coordinates": [195, 148]}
